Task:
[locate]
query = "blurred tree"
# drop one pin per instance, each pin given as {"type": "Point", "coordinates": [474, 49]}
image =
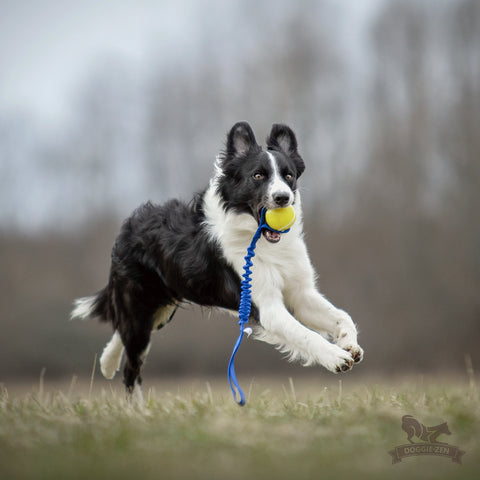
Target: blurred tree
{"type": "Point", "coordinates": [391, 188]}
{"type": "Point", "coordinates": [420, 279]}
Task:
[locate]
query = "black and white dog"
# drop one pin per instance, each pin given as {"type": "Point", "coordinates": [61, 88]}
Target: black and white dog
{"type": "Point", "coordinates": [166, 254]}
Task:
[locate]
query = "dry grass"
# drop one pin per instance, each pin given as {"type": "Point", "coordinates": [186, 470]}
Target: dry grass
{"type": "Point", "coordinates": [283, 432]}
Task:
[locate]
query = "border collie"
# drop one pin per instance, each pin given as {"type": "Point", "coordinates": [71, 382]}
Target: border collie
{"type": "Point", "coordinates": [167, 254]}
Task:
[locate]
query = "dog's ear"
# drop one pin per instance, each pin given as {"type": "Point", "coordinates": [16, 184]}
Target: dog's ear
{"type": "Point", "coordinates": [241, 140]}
{"type": "Point", "coordinates": [283, 139]}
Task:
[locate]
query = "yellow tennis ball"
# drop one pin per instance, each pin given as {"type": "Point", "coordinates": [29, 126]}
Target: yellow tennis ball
{"type": "Point", "coordinates": [280, 218]}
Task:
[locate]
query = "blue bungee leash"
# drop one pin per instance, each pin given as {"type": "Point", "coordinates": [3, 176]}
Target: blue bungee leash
{"type": "Point", "coordinates": [245, 305]}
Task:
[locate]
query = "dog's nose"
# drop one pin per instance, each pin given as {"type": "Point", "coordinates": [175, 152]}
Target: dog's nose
{"type": "Point", "coordinates": [281, 198]}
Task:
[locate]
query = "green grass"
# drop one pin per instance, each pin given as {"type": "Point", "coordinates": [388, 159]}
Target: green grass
{"type": "Point", "coordinates": [280, 434]}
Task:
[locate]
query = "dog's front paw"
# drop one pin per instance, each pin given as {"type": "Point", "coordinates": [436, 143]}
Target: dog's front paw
{"type": "Point", "coordinates": [345, 365]}
{"type": "Point", "coordinates": [338, 360]}
{"type": "Point", "coordinates": [356, 351]}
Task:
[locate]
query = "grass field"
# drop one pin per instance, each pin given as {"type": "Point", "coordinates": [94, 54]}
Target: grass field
{"type": "Point", "coordinates": [288, 431]}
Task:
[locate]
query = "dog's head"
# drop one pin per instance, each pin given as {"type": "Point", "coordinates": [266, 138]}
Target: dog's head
{"type": "Point", "coordinates": [252, 178]}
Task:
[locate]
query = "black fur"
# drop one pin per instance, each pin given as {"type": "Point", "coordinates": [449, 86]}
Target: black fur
{"type": "Point", "coordinates": [162, 257]}
{"type": "Point", "coordinates": [244, 158]}
{"type": "Point", "coordinates": [283, 140]}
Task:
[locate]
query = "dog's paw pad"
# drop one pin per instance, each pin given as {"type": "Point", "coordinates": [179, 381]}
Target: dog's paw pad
{"type": "Point", "coordinates": [345, 365]}
{"type": "Point", "coordinates": [355, 351]}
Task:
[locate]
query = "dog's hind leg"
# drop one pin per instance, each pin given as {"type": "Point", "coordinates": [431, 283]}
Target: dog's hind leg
{"type": "Point", "coordinates": [137, 342]}
{"type": "Point", "coordinates": [163, 316]}
{"type": "Point", "coordinates": [137, 346]}
{"type": "Point", "coordinates": [111, 357]}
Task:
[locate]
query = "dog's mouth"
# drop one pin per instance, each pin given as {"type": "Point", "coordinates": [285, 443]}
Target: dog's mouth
{"type": "Point", "coordinates": [272, 237]}
{"type": "Point", "coordinates": [269, 235]}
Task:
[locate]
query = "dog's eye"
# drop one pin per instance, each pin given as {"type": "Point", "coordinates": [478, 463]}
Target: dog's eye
{"type": "Point", "coordinates": [258, 176]}
{"type": "Point", "coordinates": [288, 177]}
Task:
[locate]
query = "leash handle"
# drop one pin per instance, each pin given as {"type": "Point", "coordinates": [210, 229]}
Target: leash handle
{"type": "Point", "coordinates": [232, 378]}
{"type": "Point", "coordinates": [245, 306]}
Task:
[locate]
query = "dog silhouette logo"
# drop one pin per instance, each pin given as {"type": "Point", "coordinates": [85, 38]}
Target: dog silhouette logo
{"type": "Point", "coordinates": [426, 442]}
{"type": "Point", "coordinates": [413, 428]}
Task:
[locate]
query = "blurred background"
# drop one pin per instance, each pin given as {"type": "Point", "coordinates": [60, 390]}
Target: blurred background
{"type": "Point", "coordinates": [104, 105]}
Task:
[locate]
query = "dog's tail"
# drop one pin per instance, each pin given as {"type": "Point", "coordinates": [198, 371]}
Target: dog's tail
{"type": "Point", "coordinates": [95, 306]}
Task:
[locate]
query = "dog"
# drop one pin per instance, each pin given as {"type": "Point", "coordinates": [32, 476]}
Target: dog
{"type": "Point", "coordinates": [176, 252]}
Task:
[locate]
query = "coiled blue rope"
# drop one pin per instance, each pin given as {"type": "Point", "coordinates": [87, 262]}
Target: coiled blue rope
{"type": "Point", "coordinates": [245, 305]}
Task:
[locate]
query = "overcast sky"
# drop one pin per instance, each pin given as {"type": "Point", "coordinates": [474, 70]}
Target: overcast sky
{"type": "Point", "coordinates": [52, 50]}
{"type": "Point", "coordinates": [48, 47]}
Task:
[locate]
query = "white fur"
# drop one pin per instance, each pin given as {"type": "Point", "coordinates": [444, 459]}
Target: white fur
{"type": "Point", "coordinates": [277, 184]}
{"type": "Point", "coordinates": [83, 308]}
{"type": "Point", "coordinates": [162, 316]}
{"type": "Point", "coordinates": [294, 316]}
{"type": "Point", "coordinates": [111, 357]}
